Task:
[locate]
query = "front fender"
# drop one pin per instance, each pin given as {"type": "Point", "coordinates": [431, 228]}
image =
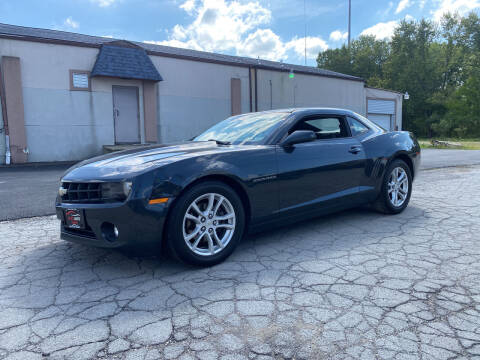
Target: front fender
{"type": "Point", "coordinates": [245, 169]}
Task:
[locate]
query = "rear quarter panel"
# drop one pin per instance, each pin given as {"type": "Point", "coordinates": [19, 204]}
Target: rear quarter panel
{"type": "Point", "coordinates": [382, 148]}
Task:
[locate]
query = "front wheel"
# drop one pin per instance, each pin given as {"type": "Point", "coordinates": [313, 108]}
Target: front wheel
{"type": "Point", "coordinates": [206, 224]}
{"type": "Point", "coordinates": [396, 189]}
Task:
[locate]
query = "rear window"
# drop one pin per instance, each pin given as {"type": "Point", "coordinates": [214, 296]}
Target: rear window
{"type": "Point", "coordinates": [356, 127]}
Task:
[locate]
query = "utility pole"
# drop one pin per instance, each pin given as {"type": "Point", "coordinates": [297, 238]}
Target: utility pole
{"type": "Point", "coordinates": [349, 20]}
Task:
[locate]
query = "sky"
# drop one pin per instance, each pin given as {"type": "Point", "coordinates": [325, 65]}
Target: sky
{"type": "Point", "coordinates": [269, 29]}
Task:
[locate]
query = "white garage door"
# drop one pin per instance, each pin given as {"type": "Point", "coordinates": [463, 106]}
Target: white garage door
{"type": "Point", "coordinates": [382, 120]}
{"type": "Point", "coordinates": [381, 112]}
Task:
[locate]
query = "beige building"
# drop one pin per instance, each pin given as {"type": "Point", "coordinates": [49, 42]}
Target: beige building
{"type": "Point", "coordinates": [64, 96]}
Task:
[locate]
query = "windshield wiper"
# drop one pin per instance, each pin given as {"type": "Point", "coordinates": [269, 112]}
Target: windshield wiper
{"type": "Point", "coordinates": [220, 142]}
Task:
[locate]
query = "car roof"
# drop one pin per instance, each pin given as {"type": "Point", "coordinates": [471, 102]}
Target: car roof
{"type": "Point", "coordinates": [312, 110]}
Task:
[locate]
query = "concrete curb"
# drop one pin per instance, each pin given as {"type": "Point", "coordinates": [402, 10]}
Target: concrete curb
{"type": "Point", "coordinates": [39, 164]}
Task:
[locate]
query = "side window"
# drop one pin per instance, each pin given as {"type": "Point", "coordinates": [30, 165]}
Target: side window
{"type": "Point", "coordinates": [324, 127]}
{"type": "Point", "coordinates": [356, 127]}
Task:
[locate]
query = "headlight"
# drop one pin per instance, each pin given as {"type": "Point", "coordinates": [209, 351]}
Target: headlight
{"type": "Point", "coordinates": [116, 191]}
{"type": "Point", "coordinates": [127, 187]}
{"type": "Point", "coordinates": [62, 191]}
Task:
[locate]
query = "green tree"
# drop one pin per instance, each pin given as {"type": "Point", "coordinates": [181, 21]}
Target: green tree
{"type": "Point", "coordinates": [364, 59]}
{"type": "Point", "coordinates": [413, 67]}
{"type": "Point", "coordinates": [336, 60]}
{"type": "Point", "coordinates": [461, 93]}
{"type": "Point", "coordinates": [437, 63]}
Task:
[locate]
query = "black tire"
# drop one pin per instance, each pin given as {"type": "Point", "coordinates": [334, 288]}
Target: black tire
{"type": "Point", "coordinates": [383, 203]}
{"type": "Point", "coordinates": [176, 244]}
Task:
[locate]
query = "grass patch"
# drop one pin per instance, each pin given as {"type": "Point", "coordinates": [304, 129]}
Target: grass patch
{"type": "Point", "coordinates": [467, 144]}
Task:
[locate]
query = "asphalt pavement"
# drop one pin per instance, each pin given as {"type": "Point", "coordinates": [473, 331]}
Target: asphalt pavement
{"type": "Point", "coordinates": [440, 158]}
{"type": "Point", "coordinates": [353, 285]}
{"type": "Point", "coordinates": [28, 191]}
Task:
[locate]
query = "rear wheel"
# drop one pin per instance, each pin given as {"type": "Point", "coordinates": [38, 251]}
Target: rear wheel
{"type": "Point", "coordinates": [396, 189]}
{"type": "Point", "coordinates": [206, 224]}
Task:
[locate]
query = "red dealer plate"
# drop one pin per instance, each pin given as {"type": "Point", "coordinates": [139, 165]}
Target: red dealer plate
{"type": "Point", "coordinates": [74, 219]}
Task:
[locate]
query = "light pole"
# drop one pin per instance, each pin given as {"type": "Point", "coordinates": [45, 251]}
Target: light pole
{"type": "Point", "coordinates": [305, 33]}
{"type": "Point", "coordinates": [349, 20]}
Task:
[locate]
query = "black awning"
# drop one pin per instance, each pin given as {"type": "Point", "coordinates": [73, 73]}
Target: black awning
{"type": "Point", "coordinates": [126, 62]}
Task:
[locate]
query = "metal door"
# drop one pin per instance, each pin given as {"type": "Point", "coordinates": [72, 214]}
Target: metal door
{"type": "Point", "coordinates": [320, 172]}
{"type": "Point", "coordinates": [125, 114]}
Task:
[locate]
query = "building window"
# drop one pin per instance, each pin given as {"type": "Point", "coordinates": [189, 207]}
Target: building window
{"type": "Point", "coordinates": [80, 80]}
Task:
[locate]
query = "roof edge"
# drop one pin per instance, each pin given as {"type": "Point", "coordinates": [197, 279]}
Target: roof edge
{"type": "Point", "coordinates": [49, 40]}
{"type": "Point", "coordinates": [377, 88]}
{"type": "Point", "coordinates": [287, 67]}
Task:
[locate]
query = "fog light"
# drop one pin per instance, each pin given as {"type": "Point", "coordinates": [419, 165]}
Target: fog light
{"type": "Point", "coordinates": [109, 231]}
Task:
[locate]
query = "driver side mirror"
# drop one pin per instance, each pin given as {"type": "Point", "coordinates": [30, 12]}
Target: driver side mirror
{"type": "Point", "coordinates": [297, 137]}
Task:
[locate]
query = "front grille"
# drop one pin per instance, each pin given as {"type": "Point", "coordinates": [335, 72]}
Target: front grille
{"type": "Point", "coordinates": [78, 192]}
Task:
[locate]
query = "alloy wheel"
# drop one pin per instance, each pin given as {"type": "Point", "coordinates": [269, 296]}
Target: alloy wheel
{"type": "Point", "coordinates": [209, 224]}
{"type": "Point", "coordinates": [398, 186]}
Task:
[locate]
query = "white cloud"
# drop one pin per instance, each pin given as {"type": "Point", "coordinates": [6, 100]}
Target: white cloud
{"type": "Point", "coordinates": [236, 27]}
{"type": "Point", "coordinates": [188, 6]}
{"type": "Point", "coordinates": [314, 46]}
{"type": "Point", "coordinates": [70, 23]}
{"type": "Point", "coordinates": [402, 5]}
{"type": "Point", "coordinates": [382, 30]}
{"type": "Point", "coordinates": [103, 3]}
{"type": "Point", "coordinates": [452, 6]}
{"type": "Point", "coordinates": [218, 25]}
{"type": "Point", "coordinates": [263, 43]}
{"type": "Point", "coordinates": [338, 35]}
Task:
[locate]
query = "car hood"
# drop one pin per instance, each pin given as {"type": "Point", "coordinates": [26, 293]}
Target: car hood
{"type": "Point", "coordinates": [129, 163]}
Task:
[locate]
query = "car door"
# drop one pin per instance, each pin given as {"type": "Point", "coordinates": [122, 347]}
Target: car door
{"type": "Point", "coordinates": [323, 173]}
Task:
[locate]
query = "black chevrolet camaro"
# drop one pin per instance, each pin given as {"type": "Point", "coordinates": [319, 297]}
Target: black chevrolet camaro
{"type": "Point", "coordinates": [251, 171]}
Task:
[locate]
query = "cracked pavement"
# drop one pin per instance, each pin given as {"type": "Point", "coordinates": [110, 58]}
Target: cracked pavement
{"type": "Point", "coordinates": [351, 285]}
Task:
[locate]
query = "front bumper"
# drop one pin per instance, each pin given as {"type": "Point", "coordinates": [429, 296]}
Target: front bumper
{"type": "Point", "coordinates": [138, 224]}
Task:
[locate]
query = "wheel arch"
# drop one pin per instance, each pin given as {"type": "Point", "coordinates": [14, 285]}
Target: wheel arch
{"type": "Point", "coordinates": [404, 157]}
{"type": "Point", "coordinates": [228, 180]}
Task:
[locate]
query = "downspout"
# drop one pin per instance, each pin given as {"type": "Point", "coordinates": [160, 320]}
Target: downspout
{"type": "Point", "coordinates": [294, 96]}
{"type": "Point", "coordinates": [256, 91]}
{"type": "Point", "coordinates": [250, 86]}
{"type": "Point", "coordinates": [271, 95]}
{"type": "Point", "coordinates": [5, 120]}
{"type": "Point", "coordinates": [7, 149]}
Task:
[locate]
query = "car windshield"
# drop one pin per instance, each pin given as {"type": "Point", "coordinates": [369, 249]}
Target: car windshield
{"type": "Point", "coordinates": [250, 128]}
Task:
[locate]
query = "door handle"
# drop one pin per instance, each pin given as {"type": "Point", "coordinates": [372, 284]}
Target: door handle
{"type": "Point", "coordinates": [355, 149]}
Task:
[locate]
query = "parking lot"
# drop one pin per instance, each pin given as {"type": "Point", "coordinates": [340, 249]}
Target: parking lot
{"type": "Point", "coordinates": [352, 285]}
